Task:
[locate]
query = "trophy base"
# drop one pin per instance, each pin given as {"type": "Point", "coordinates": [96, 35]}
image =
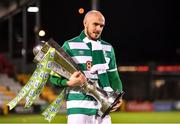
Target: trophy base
{"type": "Point", "coordinates": [119, 95]}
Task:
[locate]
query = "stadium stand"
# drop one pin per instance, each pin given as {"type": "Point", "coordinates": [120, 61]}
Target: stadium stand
{"type": "Point", "coordinates": [9, 87]}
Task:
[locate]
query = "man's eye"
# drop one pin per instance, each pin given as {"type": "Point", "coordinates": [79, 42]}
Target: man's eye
{"type": "Point", "coordinates": [101, 26]}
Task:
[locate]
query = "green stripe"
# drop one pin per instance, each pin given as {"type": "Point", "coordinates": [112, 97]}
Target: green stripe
{"type": "Point", "coordinates": [104, 80]}
{"type": "Point", "coordinates": [98, 57]}
{"type": "Point", "coordinates": [77, 96]}
{"type": "Point", "coordinates": [82, 111]}
{"type": "Point", "coordinates": [114, 77]}
{"type": "Point", "coordinates": [108, 54]}
{"type": "Point", "coordinates": [80, 52]}
{"type": "Point", "coordinates": [83, 66]}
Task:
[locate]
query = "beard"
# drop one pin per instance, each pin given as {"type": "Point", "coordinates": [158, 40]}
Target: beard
{"type": "Point", "coordinates": [93, 35]}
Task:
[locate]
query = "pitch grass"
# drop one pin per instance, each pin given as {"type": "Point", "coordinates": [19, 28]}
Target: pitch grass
{"type": "Point", "coordinates": [118, 117]}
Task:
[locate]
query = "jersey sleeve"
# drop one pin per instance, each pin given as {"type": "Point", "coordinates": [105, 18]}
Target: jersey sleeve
{"type": "Point", "coordinates": [56, 79]}
{"type": "Point", "coordinates": [113, 74]}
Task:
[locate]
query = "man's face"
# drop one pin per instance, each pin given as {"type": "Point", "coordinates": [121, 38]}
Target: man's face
{"type": "Point", "coordinates": [94, 26]}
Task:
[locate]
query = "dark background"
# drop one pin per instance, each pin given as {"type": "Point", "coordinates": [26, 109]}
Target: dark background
{"type": "Point", "coordinates": [140, 31]}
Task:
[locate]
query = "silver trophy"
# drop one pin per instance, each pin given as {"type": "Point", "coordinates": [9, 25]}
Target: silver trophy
{"type": "Point", "coordinates": [65, 66]}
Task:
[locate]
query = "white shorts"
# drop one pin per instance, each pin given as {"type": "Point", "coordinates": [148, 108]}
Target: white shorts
{"type": "Point", "coordinates": [86, 119]}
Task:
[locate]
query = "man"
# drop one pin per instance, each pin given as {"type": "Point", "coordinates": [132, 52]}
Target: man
{"type": "Point", "coordinates": [97, 60]}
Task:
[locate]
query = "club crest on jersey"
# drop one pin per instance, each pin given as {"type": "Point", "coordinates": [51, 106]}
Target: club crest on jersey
{"type": "Point", "coordinates": [88, 65]}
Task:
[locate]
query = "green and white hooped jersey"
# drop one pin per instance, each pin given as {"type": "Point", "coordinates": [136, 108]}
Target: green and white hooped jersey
{"type": "Point", "coordinates": [80, 51]}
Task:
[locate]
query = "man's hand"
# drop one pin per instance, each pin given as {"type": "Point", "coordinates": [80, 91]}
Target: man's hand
{"type": "Point", "coordinates": [76, 79]}
{"type": "Point", "coordinates": [117, 106]}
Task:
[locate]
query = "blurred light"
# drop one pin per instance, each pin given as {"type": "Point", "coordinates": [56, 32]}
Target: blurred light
{"type": "Point", "coordinates": [23, 51]}
{"type": "Point", "coordinates": [127, 68]}
{"type": "Point", "coordinates": [133, 68]}
{"type": "Point", "coordinates": [143, 68]}
{"type": "Point", "coordinates": [170, 68]}
{"type": "Point", "coordinates": [33, 9]}
{"type": "Point", "coordinates": [159, 83]}
{"type": "Point", "coordinates": [42, 33]}
{"type": "Point", "coordinates": [81, 10]}
{"type": "Point", "coordinates": [43, 41]}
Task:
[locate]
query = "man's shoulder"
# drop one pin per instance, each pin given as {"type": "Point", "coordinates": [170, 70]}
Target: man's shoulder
{"type": "Point", "coordinates": [67, 42]}
{"type": "Point", "coordinates": [75, 39]}
{"type": "Point", "coordinates": [106, 46]}
{"type": "Point", "coordinates": [105, 43]}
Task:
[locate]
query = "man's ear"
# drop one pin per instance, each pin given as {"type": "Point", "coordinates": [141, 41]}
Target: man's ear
{"type": "Point", "coordinates": [84, 23]}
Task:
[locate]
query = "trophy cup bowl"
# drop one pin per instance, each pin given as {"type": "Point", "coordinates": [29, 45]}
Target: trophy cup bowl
{"type": "Point", "coordinates": [65, 66]}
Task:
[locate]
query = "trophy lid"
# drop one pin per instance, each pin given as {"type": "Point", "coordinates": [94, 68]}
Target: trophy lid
{"type": "Point", "coordinates": [38, 48]}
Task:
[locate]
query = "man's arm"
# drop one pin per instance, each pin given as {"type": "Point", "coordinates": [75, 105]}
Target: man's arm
{"type": "Point", "coordinates": [58, 80]}
{"type": "Point", "coordinates": [113, 74]}
{"type": "Point", "coordinates": [114, 79]}
{"type": "Point", "coordinates": [76, 79]}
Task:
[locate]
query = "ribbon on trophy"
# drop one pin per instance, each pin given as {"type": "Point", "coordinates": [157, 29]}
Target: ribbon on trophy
{"type": "Point", "coordinates": [51, 111]}
{"type": "Point", "coordinates": [35, 84]}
